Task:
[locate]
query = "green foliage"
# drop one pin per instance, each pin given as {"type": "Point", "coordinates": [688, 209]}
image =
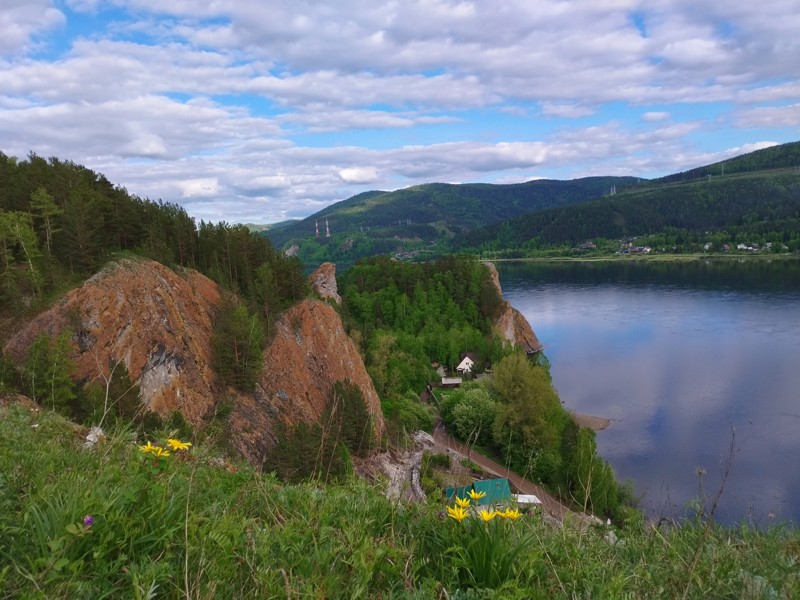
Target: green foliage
{"type": "Point", "coordinates": [755, 199]}
{"type": "Point", "coordinates": [237, 341]}
{"type": "Point", "coordinates": [9, 376]}
{"type": "Point", "coordinates": [204, 527]}
{"type": "Point", "coordinates": [308, 451]}
{"type": "Point", "coordinates": [474, 416]}
{"type": "Point", "coordinates": [48, 372]}
{"type": "Point", "coordinates": [529, 406]}
{"type": "Point", "coordinates": [414, 219]}
{"type": "Point", "coordinates": [112, 394]}
{"type": "Point", "coordinates": [60, 221]}
{"type": "Point", "coordinates": [348, 418]}
{"type": "Point", "coordinates": [409, 316]}
{"type": "Point", "coordinates": [406, 414]}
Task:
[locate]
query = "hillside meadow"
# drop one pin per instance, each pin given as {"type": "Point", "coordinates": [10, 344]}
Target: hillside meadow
{"type": "Point", "coordinates": [124, 519]}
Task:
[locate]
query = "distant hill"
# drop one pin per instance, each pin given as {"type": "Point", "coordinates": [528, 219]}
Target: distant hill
{"type": "Point", "coordinates": [258, 227]}
{"type": "Point", "coordinates": [379, 222]}
{"type": "Point", "coordinates": [756, 196]}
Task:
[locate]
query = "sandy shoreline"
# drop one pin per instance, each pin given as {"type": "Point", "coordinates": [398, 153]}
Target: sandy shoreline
{"type": "Point", "coordinates": [596, 423]}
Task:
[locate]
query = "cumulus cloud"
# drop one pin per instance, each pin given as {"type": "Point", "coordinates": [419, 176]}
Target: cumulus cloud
{"type": "Point", "coordinates": [358, 174]}
{"type": "Point", "coordinates": [261, 111]}
{"type": "Point", "coordinates": [655, 116]}
{"type": "Point", "coordinates": [21, 21]}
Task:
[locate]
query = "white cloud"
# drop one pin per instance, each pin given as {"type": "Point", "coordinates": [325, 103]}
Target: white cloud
{"type": "Point", "coordinates": [192, 188]}
{"type": "Point", "coordinates": [240, 109]}
{"type": "Point", "coordinates": [22, 20]}
{"type": "Point", "coordinates": [770, 116]}
{"type": "Point", "coordinates": [570, 111]}
{"type": "Point", "coordinates": [655, 116]}
{"type": "Point", "coordinates": [359, 175]}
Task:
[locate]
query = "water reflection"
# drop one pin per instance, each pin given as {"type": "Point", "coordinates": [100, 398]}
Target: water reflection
{"type": "Point", "coordinates": [679, 355]}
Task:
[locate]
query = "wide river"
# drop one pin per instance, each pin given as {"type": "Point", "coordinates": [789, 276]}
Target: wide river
{"type": "Point", "coordinates": [687, 360]}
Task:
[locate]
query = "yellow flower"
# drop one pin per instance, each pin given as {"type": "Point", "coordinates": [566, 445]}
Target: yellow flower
{"type": "Point", "coordinates": [488, 515]}
{"type": "Point", "coordinates": [457, 513]}
{"type": "Point", "coordinates": [159, 452]}
{"type": "Point", "coordinates": [462, 502]}
{"type": "Point", "coordinates": [512, 514]}
{"type": "Point", "coordinates": [148, 448]}
{"type": "Point", "coordinates": [476, 495]}
{"type": "Point", "coordinates": [178, 445]}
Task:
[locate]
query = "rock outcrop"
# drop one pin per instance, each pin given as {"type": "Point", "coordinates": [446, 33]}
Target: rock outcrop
{"type": "Point", "coordinates": [511, 324]}
{"type": "Point", "coordinates": [309, 352]}
{"type": "Point", "coordinates": [323, 280]}
{"type": "Point", "coordinates": [160, 324]}
{"type": "Point", "coordinates": [143, 314]}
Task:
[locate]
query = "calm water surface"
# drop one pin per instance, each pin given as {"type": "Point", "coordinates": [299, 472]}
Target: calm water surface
{"type": "Point", "coordinates": [679, 356]}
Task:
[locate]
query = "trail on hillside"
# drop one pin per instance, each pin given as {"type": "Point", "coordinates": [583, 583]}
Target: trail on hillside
{"type": "Point", "coordinates": [444, 441]}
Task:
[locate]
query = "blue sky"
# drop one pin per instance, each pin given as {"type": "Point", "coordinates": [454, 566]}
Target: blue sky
{"type": "Point", "coordinates": [258, 111]}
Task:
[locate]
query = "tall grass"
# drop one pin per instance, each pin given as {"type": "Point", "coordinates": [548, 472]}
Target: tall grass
{"type": "Point", "coordinates": [110, 522]}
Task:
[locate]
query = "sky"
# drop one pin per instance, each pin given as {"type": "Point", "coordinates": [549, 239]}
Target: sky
{"type": "Point", "coordinates": [264, 110]}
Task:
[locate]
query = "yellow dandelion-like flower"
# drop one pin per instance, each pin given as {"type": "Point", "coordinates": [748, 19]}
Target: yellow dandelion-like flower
{"type": "Point", "coordinates": [476, 495]}
{"type": "Point", "coordinates": [462, 502]}
{"type": "Point", "coordinates": [159, 452]}
{"type": "Point", "coordinates": [178, 445]}
{"type": "Point", "coordinates": [512, 514]}
{"type": "Point", "coordinates": [148, 448]}
{"type": "Point", "coordinates": [488, 515]}
{"type": "Point", "coordinates": [457, 513]}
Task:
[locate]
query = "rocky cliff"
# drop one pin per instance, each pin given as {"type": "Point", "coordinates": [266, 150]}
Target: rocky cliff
{"type": "Point", "coordinates": [323, 280]}
{"type": "Point", "coordinates": [155, 321]}
{"type": "Point", "coordinates": [308, 354]}
{"type": "Point", "coordinates": [160, 325]}
{"type": "Point", "coordinates": [511, 324]}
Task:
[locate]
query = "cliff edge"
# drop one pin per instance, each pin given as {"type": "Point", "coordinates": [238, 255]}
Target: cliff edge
{"type": "Point", "coordinates": [510, 324]}
{"type": "Point", "coordinates": [160, 325]}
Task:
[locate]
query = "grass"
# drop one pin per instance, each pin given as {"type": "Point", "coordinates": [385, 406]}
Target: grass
{"type": "Point", "coordinates": [200, 525]}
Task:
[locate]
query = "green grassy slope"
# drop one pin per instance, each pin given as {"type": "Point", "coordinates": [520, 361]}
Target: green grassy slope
{"type": "Point", "coordinates": [113, 522]}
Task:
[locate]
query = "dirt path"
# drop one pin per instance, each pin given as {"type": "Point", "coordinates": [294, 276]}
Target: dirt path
{"type": "Point", "coordinates": [552, 505]}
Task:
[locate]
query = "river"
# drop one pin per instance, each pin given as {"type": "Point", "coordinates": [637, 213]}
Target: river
{"type": "Point", "coordinates": [692, 362]}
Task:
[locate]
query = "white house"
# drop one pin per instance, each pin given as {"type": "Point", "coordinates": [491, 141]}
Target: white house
{"type": "Point", "coordinates": [465, 366]}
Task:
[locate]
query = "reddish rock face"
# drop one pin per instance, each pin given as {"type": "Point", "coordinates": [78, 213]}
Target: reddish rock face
{"type": "Point", "coordinates": [323, 280]}
{"type": "Point", "coordinates": [511, 324]}
{"type": "Point", "coordinates": [160, 325]}
{"type": "Point", "coordinates": [156, 322]}
{"type": "Point", "coordinates": [308, 354]}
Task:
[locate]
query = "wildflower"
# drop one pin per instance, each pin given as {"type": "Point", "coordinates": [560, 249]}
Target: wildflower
{"type": "Point", "coordinates": [488, 515]}
{"type": "Point", "coordinates": [457, 513]}
{"type": "Point", "coordinates": [148, 448]}
{"type": "Point", "coordinates": [462, 502]}
{"type": "Point", "coordinates": [178, 445]}
{"type": "Point", "coordinates": [510, 513]}
{"type": "Point", "coordinates": [159, 452]}
{"type": "Point", "coordinates": [88, 521]}
{"type": "Point", "coordinates": [476, 495]}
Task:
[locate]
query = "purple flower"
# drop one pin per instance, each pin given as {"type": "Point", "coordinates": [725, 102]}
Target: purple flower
{"type": "Point", "coordinates": [88, 521]}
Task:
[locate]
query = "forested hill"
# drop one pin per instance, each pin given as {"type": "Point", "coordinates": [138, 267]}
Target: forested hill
{"type": "Point", "coordinates": [751, 198]}
{"type": "Point", "coordinates": [59, 222]}
{"type": "Point", "coordinates": [380, 222]}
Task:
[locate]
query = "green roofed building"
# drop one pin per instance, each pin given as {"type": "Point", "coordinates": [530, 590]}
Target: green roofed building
{"type": "Point", "coordinates": [496, 490]}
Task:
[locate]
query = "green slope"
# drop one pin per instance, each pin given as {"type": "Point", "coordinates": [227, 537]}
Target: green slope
{"type": "Point", "coordinates": [382, 222]}
{"type": "Point", "coordinates": [759, 194]}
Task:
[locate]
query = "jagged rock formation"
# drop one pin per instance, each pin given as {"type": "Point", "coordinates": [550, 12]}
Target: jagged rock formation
{"type": "Point", "coordinates": [160, 325]}
{"type": "Point", "coordinates": [511, 324]}
{"type": "Point", "coordinates": [143, 314]}
{"type": "Point", "coordinates": [323, 280]}
{"type": "Point", "coordinates": [308, 354]}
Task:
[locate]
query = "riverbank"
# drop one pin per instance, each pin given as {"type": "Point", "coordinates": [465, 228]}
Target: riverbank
{"type": "Point", "coordinates": [596, 423]}
{"type": "Point", "coordinates": [652, 258]}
